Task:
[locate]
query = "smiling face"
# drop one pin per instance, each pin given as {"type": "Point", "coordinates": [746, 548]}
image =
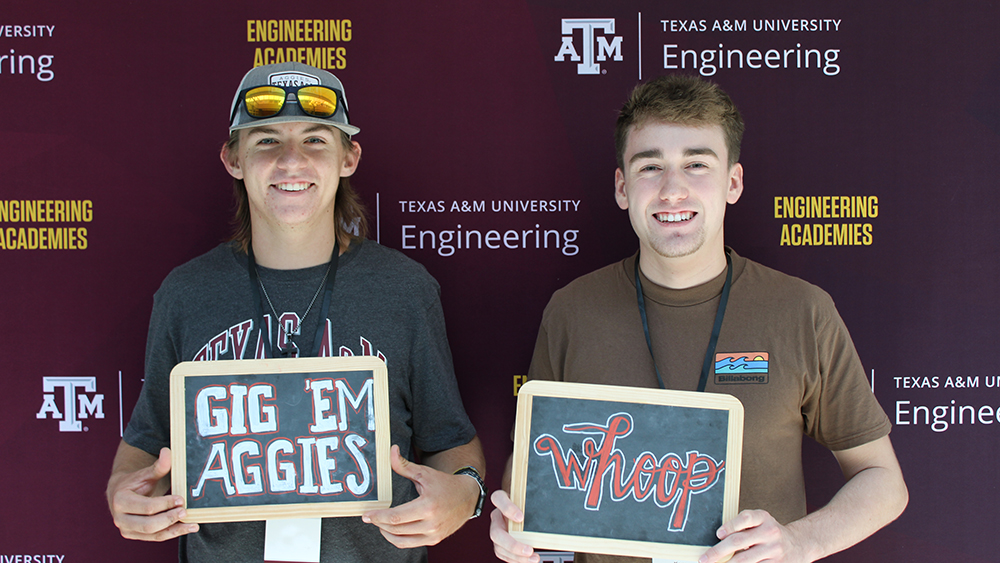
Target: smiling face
{"type": "Point", "coordinates": [675, 185]}
{"type": "Point", "coordinates": [291, 172]}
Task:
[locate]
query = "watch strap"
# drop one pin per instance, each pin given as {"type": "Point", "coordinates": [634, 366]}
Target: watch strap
{"type": "Point", "coordinates": [474, 473]}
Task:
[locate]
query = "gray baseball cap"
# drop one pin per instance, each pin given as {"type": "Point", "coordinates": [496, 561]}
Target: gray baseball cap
{"type": "Point", "coordinates": [290, 74]}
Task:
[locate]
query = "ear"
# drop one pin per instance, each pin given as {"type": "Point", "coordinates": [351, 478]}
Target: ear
{"type": "Point", "coordinates": [735, 183]}
{"type": "Point", "coordinates": [231, 162]}
{"type": "Point", "coordinates": [351, 160]}
{"type": "Point", "coordinates": [620, 196]}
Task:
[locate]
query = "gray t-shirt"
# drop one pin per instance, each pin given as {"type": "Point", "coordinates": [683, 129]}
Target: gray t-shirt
{"type": "Point", "coordinates": [384, 305]}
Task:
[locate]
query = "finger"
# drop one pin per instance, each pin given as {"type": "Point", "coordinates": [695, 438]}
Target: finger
{"type": "Point", "coordinates": [404, 467]}
{"type": "Point", "coordinates": [510, 510]}
{"type": "Point", "coordinates": [743, 521]}
{"type": "Point", "coordinates": [717, 552]}
{"type": "Point", "coordinates": [159, 527]}
{"type": "Point", "coordinates": [399, 514]}
{"type": "Point", "coordinates": [404, 541]}
{"type": "Point", "coordinates": [149, 481]}
{"type": "Point", "coordinates": [732, 546]}
{"type": "Point", "coordinates": [170, 533]}
{"type": "Point", "coordinates": [504, 545]}
{"type": "Point", "coordinates": [395, 518]}
{"type": "Point", "coordinates": [730, 536]}
{"type": "Point", "coordinates": [404, 526]}
{"type": "Point", "coordinates": [127, 501]}
{"type": "Point", "coordinates": [753, 541]}
{"type": "Point", "coordinates": [161, 467]}
{"type": "Point", "coordinates": [158, 470]}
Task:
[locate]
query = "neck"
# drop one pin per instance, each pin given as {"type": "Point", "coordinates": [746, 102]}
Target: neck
{"type": "Point", "coordinates": [292, 252]}
{"type": "Point", "coordinates": [681, 272]}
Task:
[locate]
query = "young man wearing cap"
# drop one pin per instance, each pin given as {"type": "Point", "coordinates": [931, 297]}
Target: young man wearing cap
{"type": "Point", "coordinates": [678, 141]}
{"type": "Point", "coordinates": [296, 281]}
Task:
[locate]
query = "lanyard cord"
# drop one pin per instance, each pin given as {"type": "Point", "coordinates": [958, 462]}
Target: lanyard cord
{"type": "Point", "coordinates": [259, 306]}
{"type": "Point", "coordinates": [716, 328]}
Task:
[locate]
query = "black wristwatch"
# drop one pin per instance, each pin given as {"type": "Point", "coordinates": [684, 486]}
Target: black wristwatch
{"type": "Point", "coordinates": [474, 473]}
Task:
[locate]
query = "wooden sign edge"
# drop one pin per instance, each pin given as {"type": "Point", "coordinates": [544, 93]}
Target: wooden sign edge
{"type": "Point", "coordinates": [641, 395]}
{"type": "Point", "coordinates": [178, 429]}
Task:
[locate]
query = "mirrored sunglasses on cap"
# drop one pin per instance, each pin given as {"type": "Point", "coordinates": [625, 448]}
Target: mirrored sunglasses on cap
{"type": "Point", "coordinates": [267, 101]}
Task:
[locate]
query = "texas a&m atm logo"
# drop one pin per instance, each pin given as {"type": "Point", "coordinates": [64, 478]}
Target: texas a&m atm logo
{"type": "Point", "coordinates": [596, 46]}
{"type": "Point", "coordinates": [80, 400]}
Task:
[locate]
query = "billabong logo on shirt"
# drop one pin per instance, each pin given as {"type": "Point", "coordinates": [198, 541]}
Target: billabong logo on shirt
{"type": "Point", "coordinates": [741, 367]}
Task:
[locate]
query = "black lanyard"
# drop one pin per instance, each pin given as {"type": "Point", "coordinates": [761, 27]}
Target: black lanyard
{"type": "Point", "coordinates": [259, 305]}
{"type": "Point", "coordinates": [719, 315]}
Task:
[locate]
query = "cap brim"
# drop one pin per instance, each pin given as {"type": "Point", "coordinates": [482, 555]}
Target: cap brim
{"type": "Point", "coordinates": [349, 129]}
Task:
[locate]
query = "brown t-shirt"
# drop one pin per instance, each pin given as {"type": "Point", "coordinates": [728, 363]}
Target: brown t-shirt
{"type": "Point", "coordinates": [814, 383]}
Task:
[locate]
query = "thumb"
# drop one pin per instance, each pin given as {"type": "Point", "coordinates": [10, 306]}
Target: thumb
{"type": "Point", "coordinates": [402, 466]}
{"type": "Point", "coordinates": [507, 508]}
{"type": "Point", "coordinates": [161, 467]}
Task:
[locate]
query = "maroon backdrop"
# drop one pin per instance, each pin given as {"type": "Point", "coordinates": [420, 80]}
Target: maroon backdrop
{"type": "Point", "coordinates": [117, 111]}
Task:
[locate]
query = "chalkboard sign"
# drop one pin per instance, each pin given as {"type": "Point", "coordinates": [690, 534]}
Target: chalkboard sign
{"type": "Point", "coordinates": [280, 438]}
{"type": "Point", "coordinates": [625, 471]}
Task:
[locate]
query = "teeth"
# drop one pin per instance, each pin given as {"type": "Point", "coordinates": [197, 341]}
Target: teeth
{"type": "Point", "coordinates": [297, 187]}
{"type": "Point", "coordinates": [674, 217]}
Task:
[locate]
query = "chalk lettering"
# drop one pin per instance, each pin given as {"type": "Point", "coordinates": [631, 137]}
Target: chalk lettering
{"type": "Point", "coordinates": [670, 481]}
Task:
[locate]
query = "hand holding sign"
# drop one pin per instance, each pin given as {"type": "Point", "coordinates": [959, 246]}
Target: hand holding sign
{"type": "Point", "coordinates": [445, 501]}
{"type": "Point", "coordinates": [505, 547]}
{"type": "Point", "coordinates": [136, 497]}
{"type": "Point", "coordinates": [758, 536]}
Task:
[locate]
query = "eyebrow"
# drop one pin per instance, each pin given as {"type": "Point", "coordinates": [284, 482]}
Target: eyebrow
{"type": "Point", "coordinates": [651, 153]}
{"type": "Point", "coordinates": [321, 127]}
{"type": "Point", "coordinates": [261, 131]}
{"type": "Point", "coordinates": [657, 153]}
{"type": "Point", "coordinates": [696, 151]}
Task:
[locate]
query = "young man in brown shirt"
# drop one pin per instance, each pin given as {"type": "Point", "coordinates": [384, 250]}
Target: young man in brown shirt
{"type": "Point", "coordinates": [678, 141]}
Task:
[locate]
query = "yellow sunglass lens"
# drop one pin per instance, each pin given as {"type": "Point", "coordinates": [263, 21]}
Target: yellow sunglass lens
{"type": "Point", "coordinates": [265, 101]}
{"type": "Point", "coordinates": [317, 101]}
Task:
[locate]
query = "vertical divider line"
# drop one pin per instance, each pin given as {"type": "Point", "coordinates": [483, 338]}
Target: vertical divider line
{"type": "Point", "coordinates": [640, 46]}
{"type": "Point", "coordinates": [121, 415]}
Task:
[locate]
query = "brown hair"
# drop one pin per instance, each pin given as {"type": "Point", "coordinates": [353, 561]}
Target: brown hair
{"type": "Point", "coordinates": [684, 100]}
{"type": "Point", "coordinates": [348, 213]}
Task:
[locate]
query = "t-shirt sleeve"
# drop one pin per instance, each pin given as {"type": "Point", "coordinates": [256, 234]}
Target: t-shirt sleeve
{"type": "Point", "coordinates": [541, 362]}
{"type": "Point", "coordinates": [548, 360]}
{"type": "Point", "coordinates": [149, 427]}
{"type": "Point", "coordinates": [439, 419]}
{"type": "Point", "coordinates": [839, 408]}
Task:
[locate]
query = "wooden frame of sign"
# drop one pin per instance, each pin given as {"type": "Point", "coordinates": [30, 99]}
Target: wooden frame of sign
{"type": "Point", "coordinates": [241, 432]}
{"type": "Point", "coordinates": [675, 455]}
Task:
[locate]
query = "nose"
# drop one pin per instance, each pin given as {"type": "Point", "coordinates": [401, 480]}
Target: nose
{"type": "Point", "coordinates": [291, 157]}
{"type": "Point", "coordinates": [673, 185]}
